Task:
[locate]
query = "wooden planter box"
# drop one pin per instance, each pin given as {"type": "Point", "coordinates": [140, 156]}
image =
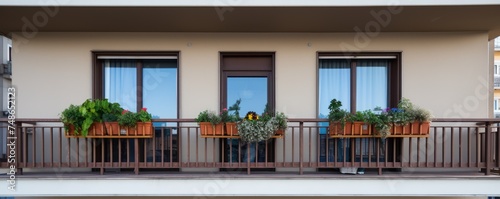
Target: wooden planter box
{"type": "Point", "coordinates": [231, 129]}
{"type": "Point", "coordinates": [112, 128]}
{"type": "Point", "coordinates": [350, 129]}
{"type": "Point", "coordinates": [415, 128]}
{"type": "Point", "coordinates": [207, 129]}
{"type": "Point", "coordinates": [141, 129]}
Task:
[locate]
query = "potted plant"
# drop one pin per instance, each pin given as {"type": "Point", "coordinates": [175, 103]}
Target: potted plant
{"type": "Point", "coordinates": [72, 120]}
{"type": "Point", "coordinates": [281, 123]}
{"type": "Point", "coordinates": [110, 119]}
{"type": "Point", "coordinates": [359, 124]}
{"type": "Point", "coordinates": [380, 122]}
{"type": "Point", "coordinates": [87, 118]}
{"type": "Point", "coordinates": [210, 123]}
{"type": "Point", "coordinates": [421, 121]}
{"type": "Point", "coordinates": [230, 120]}
{"type": "Point", "coordinates": [253, 128]}
{"type": "Point", "coordinates": [337, 118]}
{"type": "Point", "coordinates": [135, 124]}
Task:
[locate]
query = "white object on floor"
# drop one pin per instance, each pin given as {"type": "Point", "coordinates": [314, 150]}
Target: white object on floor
{"type": "Point", "coordinates": [348, 170]}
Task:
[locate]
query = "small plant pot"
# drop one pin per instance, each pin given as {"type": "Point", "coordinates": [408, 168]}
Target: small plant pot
{"type": "Point", "coordinates": [144, 128]}
{"type": "Point", "coordinates": [112, 128]}
{"type": "Point", "coordinates": [397, 129]}
{"type": "Point", "coordinates": [420, 128]}
{"type": "Point", "coordinates": [96, 129]}
{"type": "Point", "coordinates": [279, 132]}
{"type": "Point", "coordinates": [231, 129]}
{"type": "Point", "coordinates": [207, 129]}
{"type": "Point", "coordinates": [336, 128]}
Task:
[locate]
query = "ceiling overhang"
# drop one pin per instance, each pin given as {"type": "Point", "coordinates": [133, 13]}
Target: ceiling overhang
{"type": "Point", "coordinates": [484, 18]}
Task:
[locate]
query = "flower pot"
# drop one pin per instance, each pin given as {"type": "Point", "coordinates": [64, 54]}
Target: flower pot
{"type": "Point", "coordinates": [112, 128]}
{"type": "Point", "coordinates": [144, 128]}
{"type": "Point", "coordinates": [420, 128]}
{"type": "Point", "coordinates": [279, 132]}
{"type": "Point", "coordinates": [361, 128]}
{"type": "Point", "coordinates": [207, 129]}
{"type": "Point", "coordinates": [231, 129]}
{"type": "Point", "coordinates": [397, 129]}
{"type": "Point", "coordinates": [70, 131]}
{"type": "Point", "coordinates": [337, 129]}
{"type": "Point", "coordinates": [96, 129]}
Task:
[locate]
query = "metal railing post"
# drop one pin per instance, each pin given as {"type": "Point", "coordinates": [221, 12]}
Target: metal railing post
{"type": "Point", "coordinates": [488, 148]}
{"type": "Point", "coordinates": [301, 147]}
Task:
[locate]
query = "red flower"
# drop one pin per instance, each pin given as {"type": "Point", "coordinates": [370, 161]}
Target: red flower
{"type": "Point", "coordinates": [225, 109]}
{"type": "Point", "coordinates": [145, 109]}
{"type": "Point", "coordinates": [124, 111]}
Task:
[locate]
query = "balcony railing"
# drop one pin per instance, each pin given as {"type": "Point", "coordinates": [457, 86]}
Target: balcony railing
{"type": "Point", "coordinates": [177, 144]}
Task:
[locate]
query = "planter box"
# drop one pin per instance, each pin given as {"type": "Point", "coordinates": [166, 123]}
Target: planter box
{"type": "Point", "coordinates": [279, 132]}
{"type": "Point", "coordinates": [231, 129]}
{"type": "Point", "coordinates": [141, 129]}
{"type": "Point", "coordinates": [96, 129]}
{"type": "Point", "coordinates": [207, 129]}
{"type": "Point", "coordinates": [112, 128]}
{"type": "Point", "coordinates": [350, 128]}
{"type": "Point", "coordinates": [415, 128]}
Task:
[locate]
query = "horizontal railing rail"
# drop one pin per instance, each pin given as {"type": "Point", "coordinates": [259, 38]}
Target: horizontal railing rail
{"type": "Point", "coordinates": [453, 143]}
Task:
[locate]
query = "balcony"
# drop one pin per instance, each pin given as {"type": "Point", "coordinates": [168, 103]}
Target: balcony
{"type": "Point", "coordinates": [471, 146]}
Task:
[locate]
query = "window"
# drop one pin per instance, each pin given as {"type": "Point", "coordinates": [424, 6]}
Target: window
{"type": "Point", "coordinates": [9, 53]}
{"type": "Point", "coordinates": [137, 80]}
{"type": "Point", "coordinates": [496, 104]}
{"type": "Point", "coordinates": [496, 69]}
{"type": "Point", "coordinates": [361, 81]}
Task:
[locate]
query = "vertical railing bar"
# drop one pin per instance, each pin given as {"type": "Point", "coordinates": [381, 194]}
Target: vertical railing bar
{"type": "Point", "coordinates": [33, 150]}
{"type": "Point", "coordinates": [419, 142]}
{"type": "Point", "coordinates": [43, 146]}
{"type": "Point", "coordinates": [410, 144]}
{"type": "Point", "coordinates": [179, 144]}
{"type": "Point", "coordinates": [426, 153]}
{"type": "Point", "coordinates": [469, 146]}
{"type": "Point", "coordinates": [488, 148]}
{"type": "Point", "coordinates": [239, 154]}
{"type": "Point", "coordinates": [51, 145]}
{"type": "Point", "coordinates": [371, 144]}
{"type": "Point", "coordinates": [171, 145]}
{"type": "Point", "coordinates": [136, 154]}
{"type": "Point", "coordinates": [310, 146]}
{"type": "Point", "coordinates": [301, 147]}
{"type": "Point", "coordinates": [162, 144]}
{"type": "Point", "coordinates": [498, 146]}
{"type": "Point", "coordinates": [87, 154]}
{"type": "Point", "coordinates": [378, 152]}
{"type": "Point", "coordinates": [293, 146]}
{"type": "Point", "coordinates": [69, 151]}
{"type": "Point", "coordinates": [266, 149]}
{"type": "Point", "coordinates": [460, 146]}
{"type": "Point", "coordinates": [94, 153]}
{"type": "Point", "coordinates": [60, 151]}
{"type": "Point", "coordinates": [78, 150]}
{"type": "Point", "coordinates": [206, 153]}
{"type": "Point", "coordinates": [101, 170]}
{"type": "Point", "coordinates": [318, 140]}
{"type": "Point", "coordinates": [213, 152]}
{"type": "Point", "coordinates": [196, 147]}
{"type": "Point", "coordinates": [394, 148]}
{"type": "Point", "coordinates": [452, 146]}
{"type": "Point", "coordinates": [443, 146]}
{"type": "Point", "coordinates": [435, 146]}
{"type": "Point", "coordinates": [120, 162]}
{"type": "Point", "coordinates": [478, 148]}
{"type": "Point", "coordinates": [153, 143]}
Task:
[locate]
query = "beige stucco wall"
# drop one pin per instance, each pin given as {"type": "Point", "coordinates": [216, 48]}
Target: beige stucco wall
{"type": "Point", "coordinates": [53, 70]}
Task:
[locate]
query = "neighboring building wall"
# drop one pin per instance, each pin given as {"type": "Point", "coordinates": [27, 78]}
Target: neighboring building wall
{"type": "Point", "coordinates": [5, 43]}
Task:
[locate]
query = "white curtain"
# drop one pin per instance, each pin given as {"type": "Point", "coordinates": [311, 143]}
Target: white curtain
{"type": "Point", "coordinates": [120, 83]}
{"type": "Point", "coordinates": [371, 84]}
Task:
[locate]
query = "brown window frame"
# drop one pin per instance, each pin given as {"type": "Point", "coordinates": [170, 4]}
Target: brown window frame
{"type": "Point", "coordinates": [394, 82]}
{"type": "Point", "coordinates": [227, 70]}
{"type": "Point", "coordinates": [98, 72]}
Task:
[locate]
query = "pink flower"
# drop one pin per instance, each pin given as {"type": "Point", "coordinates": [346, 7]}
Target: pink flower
{"type": "Point", "coordinates": [144, 109]}
{"type": "Point", "coordinates": [124, 111]}
{"type": "Point", "coordinates": [225, 109]}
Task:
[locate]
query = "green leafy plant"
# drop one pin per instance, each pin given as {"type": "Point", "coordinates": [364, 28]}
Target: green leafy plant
{"type": "Point", "coordinates": [208, 116]}
{"type": "Point", "coordinates": [71, 116]}
{"type": "Point", "coordinates": [421, 115]}
{"type": "Point", "coordinates": [128, 119]}
{"type": "Point", "coordinates": [281, 121]}
{"type": "Point", "coordinates": [92, 110]}
{"type": "Point", "coordinates": [336, 114]}
{"type": "Point", "coordinates": [144, 116]}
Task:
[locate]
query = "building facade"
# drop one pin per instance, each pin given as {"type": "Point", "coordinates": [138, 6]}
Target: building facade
{"type": "Point", "coordinates": [180, 58]}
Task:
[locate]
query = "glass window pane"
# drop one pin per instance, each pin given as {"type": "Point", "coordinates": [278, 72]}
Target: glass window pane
{"type": "Point", "coordinates": [251, 90]}
{"type": "Point", "coordinates": [120, 82]}
{"type": "Point", "coordinates": [371, 84]}
{"type": "Point", "coordinates": [159, 80]}
{"type": "Point", "coordinates": [334, 82]}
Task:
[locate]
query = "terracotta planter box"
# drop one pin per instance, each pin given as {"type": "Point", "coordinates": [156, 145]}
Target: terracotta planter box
{"type": "Point", "coordinates": [279, 132]}
{"type": "Point", "coordinates": [112, 128]}
{"type": "Point", "coordinates": [70, 131]}
{"type": "Point", "coordinates": [141, 129]}
{"type": "Point", "coordinates": [231, 129]}
{"type": "Point", "coordinates": [350, 128]}
{"type": "Point", "coordinates": [96, 129]}
{"type": "Point", "coordinates": [418, 128]}
{"type": "Point", "coordinates": [415, 128]}
{"type": "Point", "coordinates": [207, 129]}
